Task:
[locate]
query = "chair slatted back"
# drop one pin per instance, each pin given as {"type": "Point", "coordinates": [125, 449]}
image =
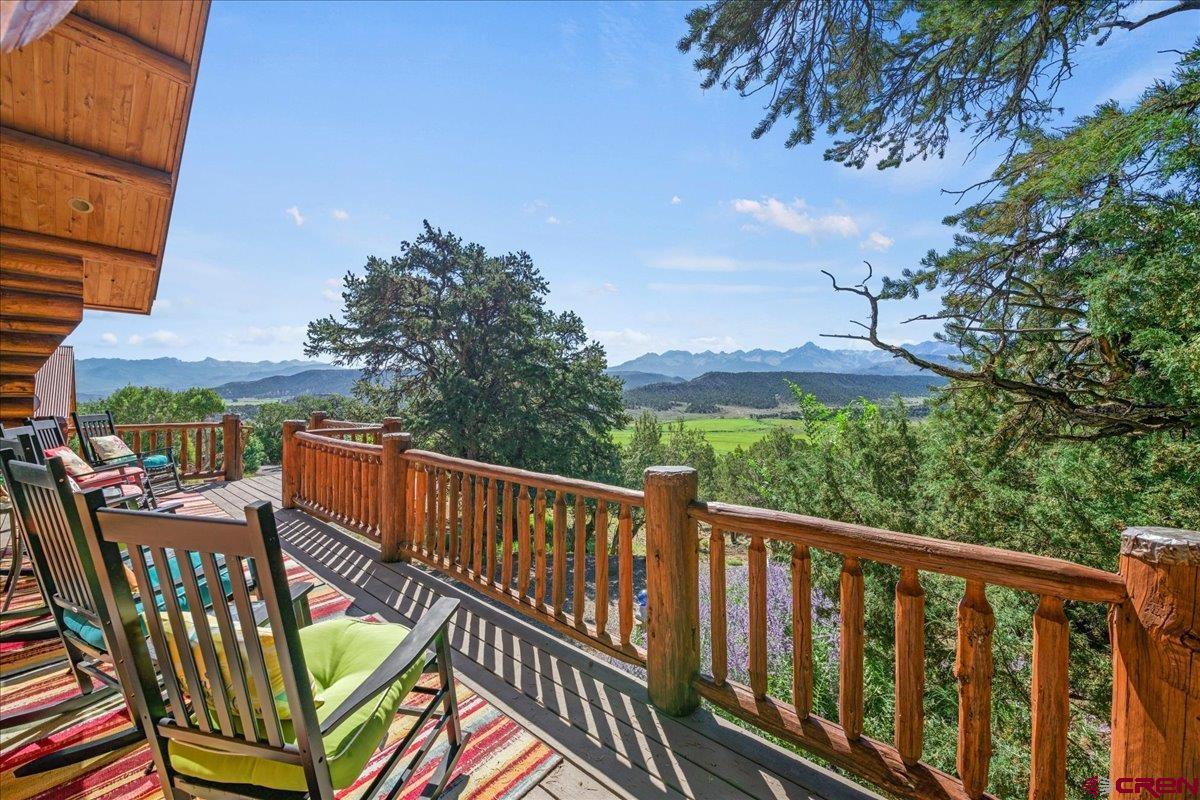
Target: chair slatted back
{"type": "Point", "coordinates": [27, 438]}
{"type": "Point", "coordinates": [48, 431]}
{"type": "Point", "coordinates": [208, 713]}
{"type": "Point", "coordinates": [89, 425]}
{"type": "Point", "coordinates": [51, 517]}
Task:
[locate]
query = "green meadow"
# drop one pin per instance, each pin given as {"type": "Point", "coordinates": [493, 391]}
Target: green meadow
{"type": "Point", "coordinates": [726, 433]}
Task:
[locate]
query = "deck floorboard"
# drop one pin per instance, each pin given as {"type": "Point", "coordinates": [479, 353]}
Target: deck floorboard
{"type": "Point", "coordinates": [614, 743]}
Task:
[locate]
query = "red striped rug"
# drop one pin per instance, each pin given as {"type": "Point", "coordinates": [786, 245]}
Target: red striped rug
{"type": "Point", "coordinates": [502, 760]}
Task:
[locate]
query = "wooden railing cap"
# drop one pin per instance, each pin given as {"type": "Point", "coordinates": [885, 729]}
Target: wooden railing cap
{"type": "Point", "coordinates": [1157, 545]}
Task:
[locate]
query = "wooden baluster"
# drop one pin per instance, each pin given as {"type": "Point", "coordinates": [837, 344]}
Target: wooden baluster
{"type": "Point", "coordinates": [850, 674]}
{"type": "Point", "coordinates": [430, 508]}
{"type": "Point", "coordinates": [506, 538]}
{"type": "Point", "coordinates": [442, 497]}
{"type": "Point", "coordinates": [478, 526]}
{"type": "Point", "coordinates": [601, 557]}
{"type": "Point", "coordinates": [212, 448]}
{"type": "Point", "coordinates": [973, 669]}
{"type": "Point", "coordinates": [718, 622]}
{"type": "Point", "coordinates": [579, 599]}
{"type": "Point", "coordinates": [198, 467]}
{"type": "Point", "coordinates": [183, 452]}
{"type": "Point", "coordinates": [452, 515]}
{"type": "Point", "coordinates": [560, 552]}
{"type": "Point", "coordinates": [140, 446]}
{"type": "Point", "coordinates": [489, 533]}
{"type": "Point", "coordinates": [466, 555]}
{"type": "Point", "coordinates": [524, 545]}
{"type": "Point", "coordinates": [539, 546]}
{"type": "Point", "coordinates": [171, 440]}
{"type": "Point", "coordinates": [625, 572]}
{"type": "Point", "coordinates": [910, 665]}
{"type": "Point", "coordinates": [1051, 701]}
{"type": "Point", "coordinates": [802, 664]}
{"type": "Point", "coordinates": [758, 616]}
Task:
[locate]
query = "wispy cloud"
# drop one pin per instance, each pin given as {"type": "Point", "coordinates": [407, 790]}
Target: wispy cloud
{"type": "Point", "coordinates": [623, 339]}
{"type": "Point", "coordinates": [330, 292]}
{"type": "Point", "coordinates": [552, 220]}
{"type": "Point", "coordinates": [297, 217]}
{"type": "Point", "coordinates": [109, 339]}
{"type": "Point", "coordinates": [676, 199]}
{"type": "Point", "coordinates": [610, 288]}
{"type": "Point", "coordinates": [340, 214]}
{"type": "Point", "coordinates": [876, 241]}
{"type": "Point", "coordinates": [534, 206]}
{"type": "Point", "coordinates": [275, 334]}
{"type": "Point", "coordinates": [160, 337]}
{"type": "Point", "coordinates": [715, 288]}
{"type": "Point", "coordinates": [687, 261]}
{"type": "Point", "coordinates": [795, 217]}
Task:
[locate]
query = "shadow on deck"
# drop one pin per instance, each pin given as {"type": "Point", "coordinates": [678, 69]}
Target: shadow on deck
{"type": "Point", "coordinates": [614, 743]}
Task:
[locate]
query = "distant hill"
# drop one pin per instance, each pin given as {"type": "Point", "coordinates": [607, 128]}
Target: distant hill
{"type": "Point", "coordinates": [806, 358]}
{"type": "Point", "coordinates": [100, 377]}
{"type": "Point", "coordinates": [770, 389]}
{"type": "Point", "coordinates": [635, 380]}
{"type": "Point", "coordinates": [282, 387]}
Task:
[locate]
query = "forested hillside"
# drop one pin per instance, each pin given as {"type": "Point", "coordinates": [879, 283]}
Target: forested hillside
{"type": "Point", "coordinates": [772, 389]}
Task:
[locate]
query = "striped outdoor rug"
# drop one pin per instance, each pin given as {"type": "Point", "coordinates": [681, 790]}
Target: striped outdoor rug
{"type": "Point", "coordinates": [502, 760]}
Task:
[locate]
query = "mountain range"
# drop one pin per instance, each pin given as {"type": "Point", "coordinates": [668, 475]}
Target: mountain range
{"type": "Point", "coordinates": [806, 358]}
{"type": "Point", "coordinates": [766, 390]}
{"type": "Point", "coordinates": [99, 377]}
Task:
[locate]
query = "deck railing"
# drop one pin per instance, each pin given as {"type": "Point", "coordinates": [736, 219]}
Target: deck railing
{"type": "Point", "coordinates": [202, 450]}
{"type": "Point", "coordinates": [522, 538]}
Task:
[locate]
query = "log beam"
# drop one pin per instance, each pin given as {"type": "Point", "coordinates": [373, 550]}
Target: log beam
{"type": "Point", "coordinates": [30, 240]}
{"type": "Point", "coordinates": [97, 37]}
{"type": "Point", "coordinates": [26, 148]}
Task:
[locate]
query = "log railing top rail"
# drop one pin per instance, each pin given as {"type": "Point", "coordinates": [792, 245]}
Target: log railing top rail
{"type": "Point", "coordinates": [1037, 574]}
{"type": "Point", "coordinates": [334, 443]}
{"type": "Point", "coordinates": [599, 491]}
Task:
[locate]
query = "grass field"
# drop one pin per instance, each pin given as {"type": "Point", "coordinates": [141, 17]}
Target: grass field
{"type": "Point", "coordinates": [726, 433]}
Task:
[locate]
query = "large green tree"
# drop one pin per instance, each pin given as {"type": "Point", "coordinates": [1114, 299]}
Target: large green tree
{"type": "Point", "coordinates": [461, 344]}
{"type": "Point", "coordinates": [1072, 285]}
{"type": "Point", "coordinates": [139, 404]}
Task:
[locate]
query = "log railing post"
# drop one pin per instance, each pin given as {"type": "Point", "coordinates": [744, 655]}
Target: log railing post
{"type": "Point", "coordinates": [1156, 658]}
{"type": "Point", "coordinates": [672, 584]}
{"type": "Point", "coordinates": [291, 462]}
{"type": "Point", "coordinates": [393, 497]}
{"type": "Point", "coordinates": [231, 425]}
{"type": "Point", "coordinates": [392, 425]}
{"type": "Point", "coordinates": [317, 420]}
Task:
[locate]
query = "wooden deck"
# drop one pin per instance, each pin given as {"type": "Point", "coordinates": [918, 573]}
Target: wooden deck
{"type": "Point", "coordinates": [614, 743]}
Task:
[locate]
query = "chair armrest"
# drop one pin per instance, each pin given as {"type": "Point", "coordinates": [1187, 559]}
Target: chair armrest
{"type": "Point", "coordinates": [166, 451]}
{"type": "Point", "coordinates": [298, 591]}
{"type": "Point", "coordinates": [432, 624]}
{"type": "Point", "coordinates": [114, 467]}
{"type": "Point", "coordinates": [167, 508]}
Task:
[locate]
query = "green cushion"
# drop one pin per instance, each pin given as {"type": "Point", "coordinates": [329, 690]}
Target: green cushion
{"type": "Point", "coordinates": [340, 655]}
{"type": "Point", "coordinates": [82, 627]}
{"type": "Point", "coordinates": [150, 462]}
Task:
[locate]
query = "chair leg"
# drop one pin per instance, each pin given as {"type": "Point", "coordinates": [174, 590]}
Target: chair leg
{"type": "Point", "coordinates": [81, 700]}
{"type": "Point", "coordinates": [80, 753]}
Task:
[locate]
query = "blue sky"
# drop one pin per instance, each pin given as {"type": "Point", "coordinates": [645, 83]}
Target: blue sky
{"type": "Point", "coordinates": [323, 133]}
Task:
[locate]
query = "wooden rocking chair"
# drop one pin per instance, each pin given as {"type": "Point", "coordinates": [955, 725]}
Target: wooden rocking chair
{"type": "Point", "coordinates": [158, 464]}
{"type": "Point", "coordinates": [55, 519]}
{"type": "Point", "coordinates": [228, 730]}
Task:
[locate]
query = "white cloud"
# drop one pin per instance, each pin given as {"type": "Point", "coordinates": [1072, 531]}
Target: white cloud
{"type": "Point", "coordinates": [297, 217]}
{"type": "Point", "coordinates": [693, 263]}
{"type": "Point", "coordinates": [340, 214]}
{"type": "Point", "coordinates": [160, 337]}
{"type": "Point", "coordinates": [686, 261]}
{"type": "Point", "coordinates": [611, 288]}
{"type": "Point", "coordinates": [676, 200]}
{"type": "Point", "coordinates": [716, 288]}
{"type": "Point", "coordinates": [275, 334]}
{"type": "Point", "coordinates": [795, 217]}
{"type": "Point", "coordinates": [109, 339]}
{"type": "Point", "coordinates": [330, 292]}
{"type": "Point", "coordinates": [163, 304]}
{"type": "Point", "coordinates": [534, 206]}
{"type": "Point", "coordinates": [719, 343]}
{"type": "Point", "coordinates": [552, 220]}
{"type": "Point", "coordinates": [623, 339]}
{"type": "Point", "coordinates": [876, 241]}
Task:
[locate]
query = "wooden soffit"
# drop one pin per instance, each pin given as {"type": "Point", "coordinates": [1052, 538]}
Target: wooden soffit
{"type": "Point", "coordinates": [95, 110]}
